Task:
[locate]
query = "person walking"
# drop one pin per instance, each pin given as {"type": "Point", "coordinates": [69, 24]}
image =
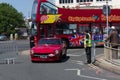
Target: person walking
{"type": "Point", "coordinates": [113, 38]}
{"type": "Point", "coordinates": [88, 45]}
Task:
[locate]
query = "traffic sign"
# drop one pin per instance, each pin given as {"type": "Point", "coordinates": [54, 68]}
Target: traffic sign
{"type": "Point", "coordinates": [105, 11]}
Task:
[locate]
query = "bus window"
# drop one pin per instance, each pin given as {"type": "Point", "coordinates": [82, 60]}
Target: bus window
{"type": "Point", "coordinates": [96, 30]}
{"type": "Point", "coordinates": [118, 29]}
{"type": "Point", "coordinates": [50, 31]}
{"type": "Point", "coordinates": [34, 10]}
{"type": "Point", "coordinates": [42, 31]}
{"type": "Point", "coordinates": [97, 33]}
{"type": "Point", "coordinates": [73, 27]}
{"type": "Point", "coordinates": [48, 8]}
{"type": "Point", "coordinates": [83, 28]}
{"type": "Point", "coordinates": [33, 29]}
{"type": "Point", "coordinates": [43, 9]}
{"type": "Point", "coordinates": [46, 31]}
{"type": "Point", "coordinates": [62, 28]}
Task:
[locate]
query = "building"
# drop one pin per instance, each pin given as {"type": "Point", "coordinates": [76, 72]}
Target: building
{"type": "Point", "coordinates": [86, 3]}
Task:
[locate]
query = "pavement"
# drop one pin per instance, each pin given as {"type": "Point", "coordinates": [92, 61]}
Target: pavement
{"type": "Point", "coordinates": [26, 52]}
{"type": "Point", "coordinates": [100, 62]}
{"type": "Point", "coordinates": [111, 66]}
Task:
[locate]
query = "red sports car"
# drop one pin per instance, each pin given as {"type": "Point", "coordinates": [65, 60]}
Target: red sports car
{"type": "Point", "coordinates": [48, 49]}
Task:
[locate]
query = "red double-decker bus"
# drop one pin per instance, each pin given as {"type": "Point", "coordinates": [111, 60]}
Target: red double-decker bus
{"type": "Point", "coordinates": [49, 20]}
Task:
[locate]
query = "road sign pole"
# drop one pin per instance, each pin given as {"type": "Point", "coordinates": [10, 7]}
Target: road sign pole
{"type": "Point", "coordinates": [107, 16]}
{"type": "Point", "coordinates": [93, 54]}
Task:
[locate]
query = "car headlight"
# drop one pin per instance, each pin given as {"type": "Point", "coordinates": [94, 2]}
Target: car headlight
{"type": "Point", "coordinates": [56, 51]}
{"type": "Point", "coordinates": [51, 55]}
{"type": "Point", "coordinates": [32, 51]}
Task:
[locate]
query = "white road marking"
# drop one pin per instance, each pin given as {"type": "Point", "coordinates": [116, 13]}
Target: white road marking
{"type": "Point", "coordinates": [79, 74]}
{"type": "Point", "coordinates": [73, 55]}
{"type": "Point", "coordinates": [76, 55]}
{"type": "Point", "coordinates": [77, 62]}
{"type": "Point", "coordinates": [92, 77]}
{"type": "Point", "coordinates": [78, 71]}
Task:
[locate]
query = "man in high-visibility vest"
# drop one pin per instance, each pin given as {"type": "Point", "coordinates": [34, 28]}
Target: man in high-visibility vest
{"type": "Point", "coordinates": [88, 45]}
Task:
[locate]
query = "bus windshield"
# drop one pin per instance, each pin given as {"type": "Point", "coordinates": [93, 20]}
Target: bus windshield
{"type": "Point", "coordinates": [48, 8]}
{"type": "Point", "coordinates": [33, 29]}
{"type": "Point", "coordinates": [34, 9]}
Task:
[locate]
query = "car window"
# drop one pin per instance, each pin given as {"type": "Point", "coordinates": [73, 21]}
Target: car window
{"type": "Point", "coordinates": [49, 41]}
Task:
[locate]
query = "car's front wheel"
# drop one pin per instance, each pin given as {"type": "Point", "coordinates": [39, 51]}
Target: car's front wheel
{"type": "Point", "coordinates": [60, 58]}
{"type": "Point", "coordinates": [65, 53]}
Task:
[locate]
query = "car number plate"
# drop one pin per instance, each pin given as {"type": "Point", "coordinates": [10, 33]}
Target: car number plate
{"type": "Point", "coordinates": [43, 56]}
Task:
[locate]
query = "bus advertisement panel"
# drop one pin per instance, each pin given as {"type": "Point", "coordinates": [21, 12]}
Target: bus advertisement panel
{"type": "Point", "coordinates": [69, 24]}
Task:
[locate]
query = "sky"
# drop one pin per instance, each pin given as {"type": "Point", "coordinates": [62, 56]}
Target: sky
{"type": "Point", "coordinates": [23, 6]}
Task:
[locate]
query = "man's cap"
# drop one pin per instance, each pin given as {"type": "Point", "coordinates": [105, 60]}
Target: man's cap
{"type": "Point", "coordinates": [113, 27]}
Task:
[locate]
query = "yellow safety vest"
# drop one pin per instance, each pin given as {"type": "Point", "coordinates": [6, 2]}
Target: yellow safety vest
{"type": "Point", "coordinates": [87, 42]}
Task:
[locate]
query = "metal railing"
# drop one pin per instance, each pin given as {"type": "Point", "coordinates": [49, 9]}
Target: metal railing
{"type": "Point", "coordinates": [8, 52]}
{"type": "Point", "coordinates": [112, 55]}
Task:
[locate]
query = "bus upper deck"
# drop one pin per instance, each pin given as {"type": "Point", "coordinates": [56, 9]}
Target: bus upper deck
{"type": "Point", "coordinates": [69, 24]}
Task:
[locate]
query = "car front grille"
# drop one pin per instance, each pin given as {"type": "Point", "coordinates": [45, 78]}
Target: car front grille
{"type": "Point", "coordinates": [39, 54]}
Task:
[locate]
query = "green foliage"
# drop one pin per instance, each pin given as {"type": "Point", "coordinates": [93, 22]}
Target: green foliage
{"type": "Point", "coordinates": [10, 18]}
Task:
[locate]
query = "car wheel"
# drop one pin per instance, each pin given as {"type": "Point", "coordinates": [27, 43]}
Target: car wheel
{"type": "Point", "coordinates": [60, 58]}
{"type": "Point", "coordinates": [33, 61]}
{"type": "Point", "coordinates": [65, 54]}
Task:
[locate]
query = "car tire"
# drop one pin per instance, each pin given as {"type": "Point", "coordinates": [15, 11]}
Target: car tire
{"type": "Point", "coordinates": [65, 55]}
{"type": "Point", "coordinates": [33, 61]}
{"type": "Point", "coordinates": [60, 58]}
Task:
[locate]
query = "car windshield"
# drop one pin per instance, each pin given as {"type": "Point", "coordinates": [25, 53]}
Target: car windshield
{"type": "Point", "coordinates": [49, 41]}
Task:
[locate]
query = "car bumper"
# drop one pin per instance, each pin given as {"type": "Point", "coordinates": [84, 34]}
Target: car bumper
{"type": "Point", "coordinates": [44, 59]}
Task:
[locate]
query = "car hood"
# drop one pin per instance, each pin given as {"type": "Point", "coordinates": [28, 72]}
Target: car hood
{"type": "Point", "coordinates": [46, 48]}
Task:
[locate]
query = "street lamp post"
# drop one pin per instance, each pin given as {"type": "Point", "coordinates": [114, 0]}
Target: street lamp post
{"type": "Point", "coordinates": [107, 16]}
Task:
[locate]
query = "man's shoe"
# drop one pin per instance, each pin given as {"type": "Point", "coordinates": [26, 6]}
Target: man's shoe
{"type": "Point", "coordinates": [87, 63]}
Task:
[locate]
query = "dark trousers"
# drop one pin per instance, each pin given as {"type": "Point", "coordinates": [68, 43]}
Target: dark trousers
{"type": "Point", "coordinates": [88, 54]}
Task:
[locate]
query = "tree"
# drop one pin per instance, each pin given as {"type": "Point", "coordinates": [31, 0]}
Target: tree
{"type": "Point", "coordinates": [10, 18]}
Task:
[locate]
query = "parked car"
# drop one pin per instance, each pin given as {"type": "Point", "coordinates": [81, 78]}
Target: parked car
{"type": "Point", "coordinates": [3, 37]}
{"type": "Point", "coordinates": [48, 49]}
